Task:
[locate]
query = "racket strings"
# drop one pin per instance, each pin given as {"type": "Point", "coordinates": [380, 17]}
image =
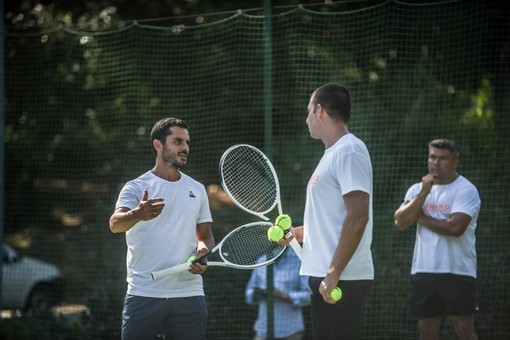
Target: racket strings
{"type": "Point", "coordinates": [249, 179]}
{"type": "Point", "coordinates": [249, 246]}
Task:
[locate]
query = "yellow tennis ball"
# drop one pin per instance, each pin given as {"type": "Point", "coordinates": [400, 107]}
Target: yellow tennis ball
{"type": "Point", "coordinates": [284, 222]}
{"type": "Point", "coordinates": [275, 233]}
{"type": "Point", "coordinates": [336, 294]}
{"type": "Point", "coordinates": [191, 259]}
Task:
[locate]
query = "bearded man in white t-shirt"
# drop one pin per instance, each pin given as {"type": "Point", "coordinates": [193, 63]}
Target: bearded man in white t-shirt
{"type": "Point", "coordinates": [337, 227]}
{"type": "Point", "coordinates": [445, 207]}
{"type": "Point", "coordinates": [166, 218]}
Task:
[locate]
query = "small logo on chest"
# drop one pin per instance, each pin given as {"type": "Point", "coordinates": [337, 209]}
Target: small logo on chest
{"type": "Point", "coordinates": [314, 179]}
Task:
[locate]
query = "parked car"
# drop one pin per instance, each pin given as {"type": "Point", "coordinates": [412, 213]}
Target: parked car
{"type": "Point", "coordinates": [29, 283]}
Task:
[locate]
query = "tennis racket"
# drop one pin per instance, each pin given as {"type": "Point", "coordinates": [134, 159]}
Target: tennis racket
{"type": "Point", "coordinates": [250, 181]}
{"type": "Point", "coordinates": [242, 248]}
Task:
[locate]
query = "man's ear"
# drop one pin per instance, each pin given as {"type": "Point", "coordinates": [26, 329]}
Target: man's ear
{"type": "Point", "coordinates": [156, 144]}
{"type": "Point", "coordinates": [319, 111]}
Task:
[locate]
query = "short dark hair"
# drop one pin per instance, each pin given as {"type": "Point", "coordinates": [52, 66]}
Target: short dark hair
{"type": "Point", "coordinates": [443, 143]}
{"type": "Point", "coordinates": [335, 99]}
{"type": "Point", "coordinates": [162, 129]}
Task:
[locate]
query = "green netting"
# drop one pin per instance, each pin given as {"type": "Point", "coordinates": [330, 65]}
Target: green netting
{"type": "Point", "coordinates": [79, 108]}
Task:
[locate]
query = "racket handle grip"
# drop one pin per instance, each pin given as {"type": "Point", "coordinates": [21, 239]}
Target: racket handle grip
{"type": "Point", "coordinates": [297, 248]}
{"type": "Point", "coordinates": [294, 244]}
{"type": "Point", "coordinates": [169, 271]}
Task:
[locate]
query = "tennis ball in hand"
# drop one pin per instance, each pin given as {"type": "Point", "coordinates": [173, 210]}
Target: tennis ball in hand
{"type": "Point", "coordinates": [191, 259]}
{"type": "Point", "coordinates": [336, 294]}
{"type": "Point", "coordinates": [284, 222]}
{"type": "Point", "coordinates": [275, 233]}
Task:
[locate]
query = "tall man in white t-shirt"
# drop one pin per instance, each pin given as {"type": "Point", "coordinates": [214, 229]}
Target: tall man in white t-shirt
{"type": "Point", "coordinates": [445, 206]}
{"type": "Point", "coordinates": [337, 227]}
{"type": "Point", "coordinates": [166, 217]}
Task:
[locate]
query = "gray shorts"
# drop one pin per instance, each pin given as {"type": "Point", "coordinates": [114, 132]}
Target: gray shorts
{"type": "Point", "coordinates": [176, 318]}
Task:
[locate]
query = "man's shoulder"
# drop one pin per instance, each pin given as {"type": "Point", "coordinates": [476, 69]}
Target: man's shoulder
{"type": "Point", "coordinates": [140, 179]}
{"type": "Point", "coordinates": [466, 184]}
{"type": "Point", "coordinates": [351, 144]}
{"type": "Point", "coordinates": [413, 190]}
{"type": "Point", "coordinates": [191, 180]}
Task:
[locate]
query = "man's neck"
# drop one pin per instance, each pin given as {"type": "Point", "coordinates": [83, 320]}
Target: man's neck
{"type": "Point", "coordinates": [334, 135]}
{"type": "Point", "coordinates": [171, 174]}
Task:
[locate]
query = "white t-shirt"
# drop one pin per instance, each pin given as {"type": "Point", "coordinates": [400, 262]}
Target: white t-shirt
{"type": "Point", "coordinates": [166, 240]}
{"type": "Point", "coordinates": [436, 253]}
{"type": "Point", "coordinates": [344, 167]}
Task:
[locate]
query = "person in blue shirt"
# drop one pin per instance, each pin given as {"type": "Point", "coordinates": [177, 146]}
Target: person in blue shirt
{"type": "Point", "coordinates": [291, 294]}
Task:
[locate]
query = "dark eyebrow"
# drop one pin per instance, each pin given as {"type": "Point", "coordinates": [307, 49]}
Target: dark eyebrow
{"type": "Point", "coordinates": [179, 139]}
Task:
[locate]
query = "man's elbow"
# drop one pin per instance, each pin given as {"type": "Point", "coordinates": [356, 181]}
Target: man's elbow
{"type": "Point", "coordinates": [457, 232]}
{"type": "Point", "coordinates": [399, 223]}
{"type": "Point", "coordinates": [114, 226]}
{"type": "Point", "coordinates": [457, 227]}
{"type": "Point", "coordinates": [362, 220]}
{"type": "Point", "coordinates": [122, 220]}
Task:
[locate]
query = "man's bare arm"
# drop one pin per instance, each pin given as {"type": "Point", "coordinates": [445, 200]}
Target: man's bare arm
{"type": "Point", "coordinates": [205, 242]}
{"type": "Point", "coordinates": [124, 219]}
{"type": "Point", "coordinates": [455, 225]}
{"type": "Point", "coordinates": [357, 204]}
{"type": "Point", "coordinates": [407, 214]}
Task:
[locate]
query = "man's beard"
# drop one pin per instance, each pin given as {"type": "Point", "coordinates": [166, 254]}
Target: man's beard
{"type": "Point", "coordinates": [171, 159]}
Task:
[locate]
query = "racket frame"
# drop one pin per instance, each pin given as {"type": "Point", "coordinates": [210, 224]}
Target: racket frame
{"type": "Point", "coordinates": [277, 202]}
{"type": "Point", "coordinates": [156, 275]}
